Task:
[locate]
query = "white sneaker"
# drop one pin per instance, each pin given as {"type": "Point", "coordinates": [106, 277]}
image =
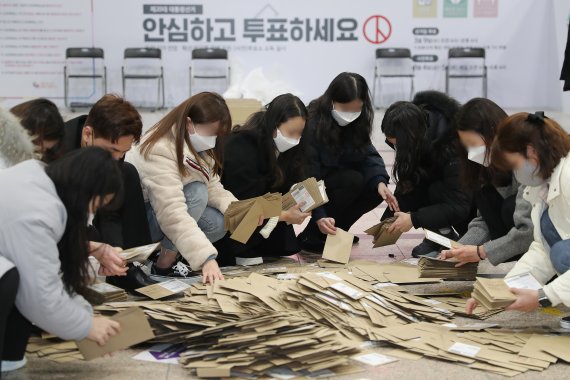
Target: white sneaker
{"type": "Point", "coordinates": [12, 365]}
{"type": "Point", "coordinates": [248, 261]}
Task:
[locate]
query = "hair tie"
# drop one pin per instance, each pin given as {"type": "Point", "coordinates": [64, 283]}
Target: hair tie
{"type": "Point", "coordinates": [537, 117]}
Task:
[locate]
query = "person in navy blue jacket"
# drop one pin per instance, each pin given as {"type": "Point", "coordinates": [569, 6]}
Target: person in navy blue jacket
{"type": "Point", "coordinates": [341, 153]}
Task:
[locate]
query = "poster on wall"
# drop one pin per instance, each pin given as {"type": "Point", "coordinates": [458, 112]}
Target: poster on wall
{"type": "Point", "coordinates": [302, 43]}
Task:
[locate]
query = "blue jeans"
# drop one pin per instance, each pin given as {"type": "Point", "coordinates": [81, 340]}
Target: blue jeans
{"type": "Point", "coordinates": [559, 249]}
{"type": "Point", "coordinates": [210, 220]}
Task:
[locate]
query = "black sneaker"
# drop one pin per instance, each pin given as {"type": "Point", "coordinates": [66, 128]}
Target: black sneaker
{"type": "Point", "coordinates": [134, 279]}
{"type": "Point", "coordinates": [177, 270]}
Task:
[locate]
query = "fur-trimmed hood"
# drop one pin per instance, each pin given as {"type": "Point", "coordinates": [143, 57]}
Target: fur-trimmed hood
{"type": "Point", "coordinates": [15, 143]}
{"type": "Point", "coordinates": [441, 110]}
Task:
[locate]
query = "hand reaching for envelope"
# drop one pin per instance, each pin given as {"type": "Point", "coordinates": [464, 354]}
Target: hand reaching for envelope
{"type": "Point", "coordinates": [211, 272]}
{"type": "Point", "coordinates": [102, 329]}
{"type": "Point", "coordinates": [111, 262]}
{"type": "Point", "coordinates": [464, 254]}
{"type": "Point", "coordinates": [387, 195]}
{"type": "Point", "coordinates": [327, 226]}
{"type": "Point", "coordinates": [294, 215]}
{"type": "Point", "coordinates": [402, 224]}
{"type": "Point", "coordinates": [527, 300]}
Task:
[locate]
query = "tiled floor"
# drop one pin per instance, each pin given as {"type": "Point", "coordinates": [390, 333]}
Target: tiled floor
{"type": "Point", "coordinates": [122, 367]}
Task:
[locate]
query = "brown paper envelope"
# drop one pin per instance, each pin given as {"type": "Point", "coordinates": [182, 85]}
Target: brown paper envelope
{"type": "Point", "coordinates": [163, 289]}
{"type": "Point", "coordinates": [386, 238]}
{"type": "Point", "coordinates": [139, 253]}
{"type": "Point", "coordinates": [271, 207]}
{"type": "Point", "coordinates": [248, 224]}
{"type": "Point", "coordinates": [338, 247]}
{"type": "Point", "coordinates": [218, 371]}
{"type": "Point", "coordinates": [135, 329]}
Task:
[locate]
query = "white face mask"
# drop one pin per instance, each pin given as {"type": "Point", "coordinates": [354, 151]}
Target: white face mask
{"type": "Point", "coordinates": [202, 143]}
{"type": "Point", "coordinates": [283, 143]}
{"type": "Point", "coordinates": [90, 218]}
{"type": "Point", "coordinates": [478, 155]}
{"type": "Point", "coordinates": [344, 118]}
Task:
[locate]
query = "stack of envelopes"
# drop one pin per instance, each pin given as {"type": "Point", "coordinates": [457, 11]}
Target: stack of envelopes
{"type": "Point", "coordinates": [141, 253]}
{"type": "Point", "coordinates": [102, 292]}
{"type": "Point", "coordinates": [493, 293]}
{"type": "Point", "coordinates": [242, 217]}
{"type": "Point", "coordinates": [381, 236]}
{"type": "Point", "coordinates": [310, 192]}
{"type": "Point", "coordinates": [446, 269]}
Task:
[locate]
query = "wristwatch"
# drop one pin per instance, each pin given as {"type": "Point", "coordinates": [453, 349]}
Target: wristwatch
{"type": "Point", "coordinates": [543, 299]}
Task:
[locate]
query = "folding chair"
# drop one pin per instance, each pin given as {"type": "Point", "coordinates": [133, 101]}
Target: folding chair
{"type": "Point", "coordinates": [208, 64]}
{"type": "Point", "coordinates": [466, 54]}
{"type": "Point", "coordinates": [393, 63]}
{"type": "Point", "coordinates": [84, 63]}
{"type": "Point", "coordinates": [144, 64]}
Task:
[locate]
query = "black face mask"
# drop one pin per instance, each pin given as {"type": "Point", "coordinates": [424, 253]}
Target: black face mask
{"type": "Point", "coordinates": [390, 144]}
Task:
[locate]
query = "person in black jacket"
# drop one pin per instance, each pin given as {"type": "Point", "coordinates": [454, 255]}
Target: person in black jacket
{"type": "Point", "coordinates": [565, 73]}
{"type": "Point", "coordinates": [264, 155]}
{"type": "Point", "coordinates": [341, 153]}
{"type": "Point", "coordinates": [114, 125]}
{"type": "Point", "coordinates": [426, 168]}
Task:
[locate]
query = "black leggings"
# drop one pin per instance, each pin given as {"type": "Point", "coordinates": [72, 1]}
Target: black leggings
{"type": "Point", "coordinates": [281, 242]}
{"type": "Point", "coordinates": [496, 211]}
{"type": "Point", "coordinates": [349, 199]}
{"type": "Point", "coordinates": [15, 330]}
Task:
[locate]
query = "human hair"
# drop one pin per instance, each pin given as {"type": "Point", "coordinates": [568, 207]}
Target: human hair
{"type": "Point", "coordinates": [407, 123]}
{"type": "Point", "coordinates": [41, 118]}
{"type": "Point", "coordinates": [263, 126]}
{"type": "Point", "coordinates": [205, 107]}
{"type": "Point", "coordinates": [481, 116]}
{"type": "Point", "coordinates": [521, 130]}
{"type": "Point", "coordinates": [345, 88]}
{"type": "Point", "coordinates": [112, 117]}
{"type": "Point", "coordinates": [80, 177]}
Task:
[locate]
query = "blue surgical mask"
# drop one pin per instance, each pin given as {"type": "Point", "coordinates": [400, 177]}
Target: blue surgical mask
{"type": "Point", "coordinates": [527, 175]}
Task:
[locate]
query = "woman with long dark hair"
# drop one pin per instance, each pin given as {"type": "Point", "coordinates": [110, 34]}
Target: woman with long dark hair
{"type": "Point", "coordinates": [41, 118]}
{"type": "Point", "coordinates": [264, 155]}
{"type": "Point", "coordinates": [341, 153]}
{"type": "Point", "coordinates": [426, 168]}
{"type": "Point", "coordinates": [502, 230]}
{"type": "Point", "coordinates": [537, 150]}
{"type": "Point", "coordinates": [43, 233]}
{"type": "Point", "coordinates": [179, 161]}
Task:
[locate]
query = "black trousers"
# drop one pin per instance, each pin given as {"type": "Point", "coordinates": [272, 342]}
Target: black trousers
{"type": "Point", "coordinates": [281, 242]}
{"type": "Point", "coordinates": [496, 211]}
{"type": "Point", "coordinates": [349, 199]}
{"type": "Point", "coordinates": [418, 198]}
{"type": "Point", "coordinates": [15, 329]}
{"type": "Point", "coordinates": [565, 74]}
{"type": "Point", "coordinates": [126, 227]}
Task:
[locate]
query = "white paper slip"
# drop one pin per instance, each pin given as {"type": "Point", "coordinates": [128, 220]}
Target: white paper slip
{"type": "Point", "coordinates": [174, 286]}
{"type": "Point", "coordinates": [323, 191]}
{"type": "Point", "coordinates": [330, 276]}
{"type": "Point", "coordinates": [523, 281]}
{"type": "Point", "coordinates": [287, 276]}
{"type": "Point", "coordinates": [464, 349]}
{"type": "Point", "coordinates": [437, 238]}
{"type": "Point", "coordinates": [347, 290]}
{"type": "Point", "coordinates": [302, 195]}
{"type": "Point", "coordinates": [381, 285]}
{"type": "Point", "coordinates": [374, 359]}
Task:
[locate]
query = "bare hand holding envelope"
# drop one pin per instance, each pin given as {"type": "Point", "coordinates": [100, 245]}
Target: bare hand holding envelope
{"type": "Point", "coordinates": [103, 328]}
{"type": "Point", "coordinates": [403, 223]}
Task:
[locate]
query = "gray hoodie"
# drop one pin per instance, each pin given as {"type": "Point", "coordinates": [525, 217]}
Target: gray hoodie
{"type": "Point", "coordinates": [32, 222]}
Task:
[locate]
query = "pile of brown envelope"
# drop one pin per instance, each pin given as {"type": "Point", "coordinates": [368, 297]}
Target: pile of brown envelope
{"type": "Point", "coordinates": [493, 293]}
{"type": "Point", "coordinates": [446, 269]}
{"type": "Point", "coordinates": [381, 236]}
{"type": "Point", "coordinates": [102, 292]}
{"type": "Point", "coordinates": [310, 192]}
{"type": "Point", "coordinates": [242, 217]}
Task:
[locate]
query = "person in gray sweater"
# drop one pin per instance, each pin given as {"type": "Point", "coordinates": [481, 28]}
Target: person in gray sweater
{"type": "Point", "coordinates": [503, 229]}
{"type": "Point", "coordinates": [43, 223]}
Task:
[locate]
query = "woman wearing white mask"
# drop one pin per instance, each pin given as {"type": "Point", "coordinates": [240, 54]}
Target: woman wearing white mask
{"type": "Point", "coordinates": [537, 150]}
{"type": "Point", "coordinates": [265, 155]}
{"type": "Point", "coordinates": [502, 230]}
{"type": "Point", "coordinates": [179, 161]}
{"type": "Point", "coordinates": [342, 154]}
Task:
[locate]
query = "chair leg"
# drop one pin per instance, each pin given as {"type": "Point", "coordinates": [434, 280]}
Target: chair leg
{"type": "Point", "coordinates": [190, 81]}
{"type": "Point", "coordinates": [65, 85]}
{"type": "Point", "coordinates": [447, 80]}
{"type": "Point", "coordinates": [412, 88]}
{"type": "Point", "coordinates": [374, 87]}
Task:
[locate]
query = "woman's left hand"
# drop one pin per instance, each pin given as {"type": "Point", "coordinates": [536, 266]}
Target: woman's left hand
{"type": "Point", "coordinates": [527, 300]}
{"type": "Point", "coordinates": [403, 223]}
{"type": "Point", "coordinates": [465, 254]}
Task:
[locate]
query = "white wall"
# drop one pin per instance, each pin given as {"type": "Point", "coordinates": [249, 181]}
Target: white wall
{"type": "Point", "coordinates": [562, 12]}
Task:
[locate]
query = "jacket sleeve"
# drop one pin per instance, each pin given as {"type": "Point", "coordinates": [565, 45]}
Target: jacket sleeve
{"type": "Point", "coordinates": [41, 297]}
{"type": "Point", "coordinates": [165, 192]}
{"type": "Point", "coordinates": [518, 239]}
{"type": "Point", "coordinates": [218, 197]}
{"type": "Point", "coordinates": [477, 232]}
{"type": "Point", "coordinates": [452, 206]}
{"type": "Point", "coordinates": [315, 169]}
{"type": "Point", "coordinates": [373, 168]}
{"type": "Point", "coordinates": [242, 175]}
